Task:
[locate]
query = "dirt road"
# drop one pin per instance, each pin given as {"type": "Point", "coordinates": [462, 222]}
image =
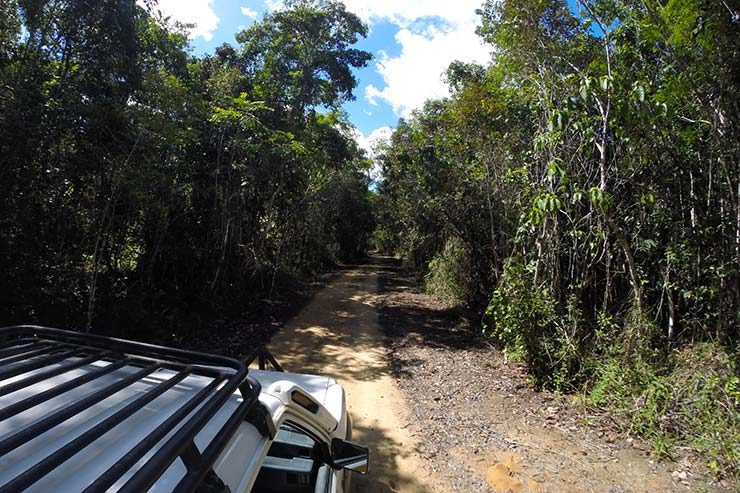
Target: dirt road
{"type": "Point", "coordinates": [485, 429]}
{"type": "Point", "coordinates": [338, 334]}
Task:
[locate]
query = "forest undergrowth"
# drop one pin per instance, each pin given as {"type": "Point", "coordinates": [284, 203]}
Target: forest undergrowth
{"type": "Point", "coordinates": [579, 197]}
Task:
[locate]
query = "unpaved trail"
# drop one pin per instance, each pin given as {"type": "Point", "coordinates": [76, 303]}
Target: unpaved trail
{"type": "Point", "coordinates": [410, 372]}
{"type": "Point", "coordinates": [338, 334]}
{"type": "Point", "coordinates": [487, 430]}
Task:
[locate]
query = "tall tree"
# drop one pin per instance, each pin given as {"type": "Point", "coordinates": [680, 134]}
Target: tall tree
{"type": "Point", "coordinates": [301, 57]}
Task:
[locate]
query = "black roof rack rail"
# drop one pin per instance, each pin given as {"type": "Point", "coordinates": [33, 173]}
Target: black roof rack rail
{"type": "Point", "coordinates": [51, 352]}
{"type": "Point", "coordinates": [263, 357]}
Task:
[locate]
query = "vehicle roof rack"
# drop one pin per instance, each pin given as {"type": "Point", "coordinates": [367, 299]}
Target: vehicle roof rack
{"type": "Point", "coordinates": [31, 355]}
{"type": "Point", "coordinates": [264, 359]}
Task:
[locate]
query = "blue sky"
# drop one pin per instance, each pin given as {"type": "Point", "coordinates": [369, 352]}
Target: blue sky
{"type": "Point", "coordinates": [412, 41]}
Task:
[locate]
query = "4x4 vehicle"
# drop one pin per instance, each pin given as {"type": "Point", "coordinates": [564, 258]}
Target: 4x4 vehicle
{"type": "Point", "coordinates": [87, 413]}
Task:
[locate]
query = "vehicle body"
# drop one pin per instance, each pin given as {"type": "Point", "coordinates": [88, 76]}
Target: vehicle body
{"type": "Point", "coordinates": [87, 413]}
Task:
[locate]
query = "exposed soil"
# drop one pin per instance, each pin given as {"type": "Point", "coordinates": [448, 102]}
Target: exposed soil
{"type": "Point", "coordinates": [338, 335]}
{"type": "Point", "coordinates": [485, 429]}
{"type": "Point", "coordinates": [441, 409]}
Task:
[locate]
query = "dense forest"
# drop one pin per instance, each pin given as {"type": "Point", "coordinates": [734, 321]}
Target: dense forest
{"type": "Point", "coordinates": [141, 184]}
{"type": "Point", "coordinates": [579, 196]}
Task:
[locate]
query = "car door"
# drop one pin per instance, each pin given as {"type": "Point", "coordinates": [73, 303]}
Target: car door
{"type": "Point", "coordinates": [296, 463]}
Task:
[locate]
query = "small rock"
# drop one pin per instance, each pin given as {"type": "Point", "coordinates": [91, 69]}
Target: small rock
{"type": "Point", "coordinates": [641, 446]}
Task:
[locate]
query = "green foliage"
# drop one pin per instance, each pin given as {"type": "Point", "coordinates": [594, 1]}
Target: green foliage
{"type": "Point", "coordinates": [520, 317]}
{"type": "Point", "coordinates": [142, 187]}
{"type": "Point", "coordinates": [449, 273]}
{"type": "Point", "coordinates": [525, 319]}
{"type": "Point", "coordinates": [692, 397]}
{"type": "Point", "coordinates": [590, 172]}
{"type": "Point", "coordinates": [518, 313]}
{"type": "Point", "coordinates": [301, 57]}
{"type": "Point", "coordinates": [384, 240]}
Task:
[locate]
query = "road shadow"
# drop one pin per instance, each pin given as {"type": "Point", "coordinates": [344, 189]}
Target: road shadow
{"type": "Point", "coordinates": [384, 452]}
{"type": "Point", "coordinates": [337, 334]}
{"type": "Point", "coordinates": [259, 320]}
{"type": "Point", "coordinates": [405, 311]}
{"type": "Point", "coordinates": [329, 335]}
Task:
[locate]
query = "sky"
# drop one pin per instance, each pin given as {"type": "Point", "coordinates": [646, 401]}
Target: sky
{"type": "Point", "coordinates": [412, 42]}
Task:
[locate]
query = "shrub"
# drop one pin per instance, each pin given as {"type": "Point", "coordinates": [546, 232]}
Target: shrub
{"type": "Point", "coordinates": [450, 273]}
{"type": "Point", "coordinates": [692, 397]}
{"type": "Point", "coordinates": [384, 241]}
{"type": "Point", "coordinates": [523, 318]}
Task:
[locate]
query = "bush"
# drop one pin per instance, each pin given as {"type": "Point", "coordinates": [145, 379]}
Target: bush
{"type": "Point", "coordinates": [526, 321]}
{"type": "Point", "coordinates": [693, 398]}
{"type": "Point", "coordinates": [384, 240]}
{"type": "Point", "coordinates": [450, 273]}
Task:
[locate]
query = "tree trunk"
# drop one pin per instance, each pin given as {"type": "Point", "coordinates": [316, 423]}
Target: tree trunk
{"type": "Point", "coordinates": [629, 259]}
{"type": "Point", "coordinates": [671, 304]}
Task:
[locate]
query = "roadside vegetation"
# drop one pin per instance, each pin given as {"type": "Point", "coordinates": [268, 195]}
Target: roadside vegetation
{"type": "Point", "coordinates": [580, 196]}
{"type": "Point", "coordinates": [146, 189]}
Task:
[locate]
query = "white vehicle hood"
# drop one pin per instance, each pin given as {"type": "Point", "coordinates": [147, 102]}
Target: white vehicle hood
{"type": "Point", "coordinates": [325, 390]}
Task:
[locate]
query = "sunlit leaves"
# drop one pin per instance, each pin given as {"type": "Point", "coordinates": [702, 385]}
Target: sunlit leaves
{"type": "Point", "coordinates": [542, 206]}
{"type": "Point", "coordinates": [240, 111]}
{"type": "Point", "coordinates": [639, 93]}
{"type": "Point", "coordinates": [301, 57]}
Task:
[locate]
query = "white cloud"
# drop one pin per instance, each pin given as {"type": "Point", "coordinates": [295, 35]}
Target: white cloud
{"type": "Point", "coordinates": [432, 34]}
{"type": "Point", "coordinates": [404, 12]}
{"type": "Point", "coordinates": [415, 75]}
{"type": "Point", "coordinates": [198, 12]}
{"type": "Point", "coordinates": [252, 14]}
{"type": "Point", "coordinates": [369, 143]}
{"type": "Point", "coordinates": [274, 4]}
{"type": "Point", "coordinates": [372, 93]}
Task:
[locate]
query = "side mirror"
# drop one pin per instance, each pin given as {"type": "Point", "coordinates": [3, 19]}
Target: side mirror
{"type": "Point", "coordinates": [350, 456]}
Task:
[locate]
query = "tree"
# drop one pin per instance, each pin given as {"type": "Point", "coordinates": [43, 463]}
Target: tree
{"type": "Point", "coordinates": [301, 57]}
{"type": "Point", "coordinates": [593, 153]}
{"type": "Point", "coordinates": [142, 186]}
{"type": "Point", "coordinates": [583, 191]}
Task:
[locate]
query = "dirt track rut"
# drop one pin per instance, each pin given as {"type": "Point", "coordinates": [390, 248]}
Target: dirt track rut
{"type": "Point", "coordinates": [496, 435]}
{"type": "Point", "coordinates": [338, 334]}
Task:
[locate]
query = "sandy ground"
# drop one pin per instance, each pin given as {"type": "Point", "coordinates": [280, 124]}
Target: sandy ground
{"type": "Point", "coordinates": [412, 370]}
{"type": "Point", "coordinates": [488, 430]}
{"type": "Point", "coordinates": [338, 334]}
